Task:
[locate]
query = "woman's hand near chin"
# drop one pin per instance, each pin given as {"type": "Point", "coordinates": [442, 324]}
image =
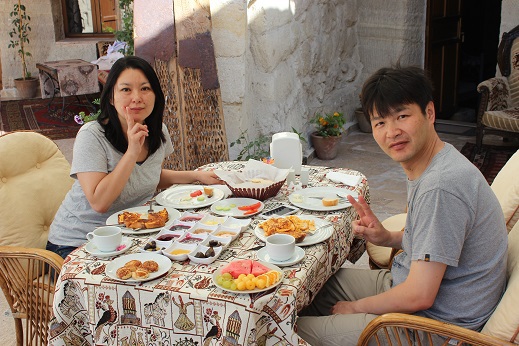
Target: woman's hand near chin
{"type": "Point", "coordinates": [136, 133]}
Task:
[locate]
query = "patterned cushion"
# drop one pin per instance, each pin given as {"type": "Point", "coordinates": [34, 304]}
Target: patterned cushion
{"type": "Point", "coordinates": [513, 79]}
{"type": "Point", "coordinates": [506, 188]}
{"type": "Point", "coordinates": [507, 119]}
{"type": "Point", "coordinates": [504, 322]}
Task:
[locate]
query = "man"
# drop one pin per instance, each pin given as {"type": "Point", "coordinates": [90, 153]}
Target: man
{"type": "Point", "coordinates": [453, 264]}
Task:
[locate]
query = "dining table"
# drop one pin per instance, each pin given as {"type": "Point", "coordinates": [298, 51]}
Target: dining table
{"type": "Point", "coordinates": [185, 306]}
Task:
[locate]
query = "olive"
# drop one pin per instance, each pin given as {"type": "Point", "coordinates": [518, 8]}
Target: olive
{"type": "Point", "coordinates": [200, 255]}
{"type": "Point", "coordinates": [214, 243]}
{"type": "Point", "coordinates": [210, 252]}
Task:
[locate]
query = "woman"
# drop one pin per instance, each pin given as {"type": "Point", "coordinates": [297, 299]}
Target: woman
{"type": "Point", "coordinates": [117, 161]}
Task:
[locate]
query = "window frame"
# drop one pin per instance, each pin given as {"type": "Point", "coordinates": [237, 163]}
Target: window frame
{"type": "Point", "coordinates": [96, 21]}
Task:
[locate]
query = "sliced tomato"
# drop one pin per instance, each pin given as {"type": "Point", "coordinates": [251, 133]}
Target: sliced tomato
{"type": "Point", "coordinates": [195, 193]}
{"type": "Point", "coordinates": [251, 211]}
{"type": "Point", "coordinates": [250, 207]}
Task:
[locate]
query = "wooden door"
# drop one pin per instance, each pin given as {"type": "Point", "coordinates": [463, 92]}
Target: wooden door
{"type": "Point", "coordinates": [442, 47]}
{"type": "Point", "coordinates": [108, 17]}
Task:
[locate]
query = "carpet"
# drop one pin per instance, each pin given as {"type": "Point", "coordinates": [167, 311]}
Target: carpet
{"type": "Point", "coordinates": [490, 160]}
{"type": "Point", "coordinates": [40, 116]}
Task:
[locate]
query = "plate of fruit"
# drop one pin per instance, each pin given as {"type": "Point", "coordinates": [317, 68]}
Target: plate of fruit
{"type": "Point", "coordinates": [247, 276]}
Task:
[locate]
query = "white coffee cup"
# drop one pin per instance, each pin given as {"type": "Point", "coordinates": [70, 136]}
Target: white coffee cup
{"type": "Point", "coordinates": [106, 238]}
{"type": "Point", "coordinates": [280, 247]}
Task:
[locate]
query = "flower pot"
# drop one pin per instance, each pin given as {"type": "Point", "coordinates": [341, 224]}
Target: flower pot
{"type": "Point", "coordinates": [27, 88]}
{"type": "Point", "coordinates": [364, 124]}
{"type": "Point", "coordinates": [325, 147]}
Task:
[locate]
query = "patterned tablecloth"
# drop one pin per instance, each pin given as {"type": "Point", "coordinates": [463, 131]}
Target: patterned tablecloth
{"type": "Point", "coordinates": [185, 307]}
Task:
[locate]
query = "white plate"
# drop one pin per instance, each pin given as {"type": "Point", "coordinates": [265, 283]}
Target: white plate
{"type": "Point", "coordinates": [269, 265]}
{"type": "Point", "coordinates": [93, 250]}
{"type": "Point", "coordinates": [172, 214]}
{"type": "Point", "coordinates": [234, 211]}
{"type": "Point", "coordinates": [324, 231]}
{"type": "Point", "coordinates": [316, 203]}
{"type": "Point", "coordinates": [299, 254]}
{"type": "Point", "coordinates": [163, 262]}
{"type": "Point", "coordinates": [178, 197]}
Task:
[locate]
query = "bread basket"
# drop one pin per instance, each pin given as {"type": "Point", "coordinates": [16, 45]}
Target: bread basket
{"type": "Point", "coordinates": [259, 193]}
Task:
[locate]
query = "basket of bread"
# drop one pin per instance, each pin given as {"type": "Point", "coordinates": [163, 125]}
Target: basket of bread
{"type": "Point", "coordinates": [257, 180]}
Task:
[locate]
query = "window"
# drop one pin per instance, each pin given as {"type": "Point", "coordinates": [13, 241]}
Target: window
{"type": "Point", "coordinates": [89, 17]}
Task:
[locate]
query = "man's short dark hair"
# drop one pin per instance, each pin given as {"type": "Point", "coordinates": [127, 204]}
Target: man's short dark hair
{"type": "Point", "coordinates": [392, 87]}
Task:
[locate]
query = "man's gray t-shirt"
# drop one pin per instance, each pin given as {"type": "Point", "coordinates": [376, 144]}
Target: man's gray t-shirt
{"type": "Point", "coordinates": [455, 218]}
{"type": "Point", "coordinates": [93, 153]}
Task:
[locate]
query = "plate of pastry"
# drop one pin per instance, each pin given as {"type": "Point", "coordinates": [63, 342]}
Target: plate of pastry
{"type": "Point", "coordinates": [137, 220]}
{"type": "Point", "coordinates": [138, 267]}
{"type": "Point", "coordinates": [307, 229]}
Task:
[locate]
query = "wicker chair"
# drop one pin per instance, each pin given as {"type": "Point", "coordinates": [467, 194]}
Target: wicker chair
{"type": "Point", "coordinates": [498, 111]}
{"type": "Point", "coordinates": [34, 178]}
{"type": "Point", "coordinates": [27, 277]}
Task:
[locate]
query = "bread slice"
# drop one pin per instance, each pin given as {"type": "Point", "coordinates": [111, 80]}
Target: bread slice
{"type": "Point", "coordinates": [330, 202]}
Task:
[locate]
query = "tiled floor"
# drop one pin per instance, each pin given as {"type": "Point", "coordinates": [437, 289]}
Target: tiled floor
{"type": "Point", "coordinates": [358, 151]}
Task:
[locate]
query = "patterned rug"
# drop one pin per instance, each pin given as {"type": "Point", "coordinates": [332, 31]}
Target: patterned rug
{"type": "Point", "coordinates": [40, 116]}
{"type": "Point", "coordinates": [490, 160]}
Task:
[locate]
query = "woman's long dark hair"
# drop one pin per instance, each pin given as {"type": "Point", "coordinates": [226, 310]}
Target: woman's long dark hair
{"type": "Point", "coordinates": [113, 129]}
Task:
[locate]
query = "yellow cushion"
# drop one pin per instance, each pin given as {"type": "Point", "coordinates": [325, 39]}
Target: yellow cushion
{"type": "Point", "coordinates": [506, 188]}
{"type": "Point", "coordinates": [505, 320]}
{"type": "Point", "coordinates": [34, 178]}
{"type": "Point", "coordinates": [380, 255]}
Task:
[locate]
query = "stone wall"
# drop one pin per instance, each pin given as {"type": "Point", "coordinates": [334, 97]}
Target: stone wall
{"type": "Point", "coordinates": [279, 61]}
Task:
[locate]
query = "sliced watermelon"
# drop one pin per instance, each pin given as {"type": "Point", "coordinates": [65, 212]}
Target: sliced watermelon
{"type": "Point", "coordinates": [258, 268]}
{"type": "Point", "coordinates": [235, 268]}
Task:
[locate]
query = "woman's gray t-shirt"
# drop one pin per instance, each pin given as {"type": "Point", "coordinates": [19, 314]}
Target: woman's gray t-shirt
{"type": "Point", "coordinates": [454, 218]}
{"type": "Point", "coordinates": [93, 153]}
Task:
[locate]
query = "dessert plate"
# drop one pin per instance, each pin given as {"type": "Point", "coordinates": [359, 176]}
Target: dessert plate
{"type": "Point", "coordinates": [324, 230]}
{"type": "Point", "coordinates": [299, 254]}
{"type": "Point", "coordinates": [179, 197]}
{"type": "Point", "coordinates": [93, 250]}
{"type": "Point", "coordinates": [172, 214]}
{"type": "Point", "coordinates": [310, 198]}
{"type": "Point", "coordinates": [229, 207]}
{"type": "Point", "coordinates": [163, 262]}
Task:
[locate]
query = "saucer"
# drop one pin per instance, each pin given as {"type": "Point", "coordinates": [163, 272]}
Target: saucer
{"type": "Point", "coordinates": [296, 258]}
{"type": "Point", "coordinates": [93, 250]}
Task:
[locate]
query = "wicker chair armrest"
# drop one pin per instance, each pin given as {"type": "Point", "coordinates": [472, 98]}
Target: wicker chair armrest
{"type": "Point", "coordinates": [378, 330]}
{"type": "Point", "coordinates": [49, 257]}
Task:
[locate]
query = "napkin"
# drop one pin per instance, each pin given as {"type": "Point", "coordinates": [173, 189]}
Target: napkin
{"type": "Point", "coordinates": [267, 174]}
{"type": "Point", "coordinates": [346, 179]}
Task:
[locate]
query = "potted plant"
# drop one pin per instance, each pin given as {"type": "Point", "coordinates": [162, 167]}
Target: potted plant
{"type": "Point", "coordinates": [27, 86]}
{"type": "Point", "coordinates": [328, 134]}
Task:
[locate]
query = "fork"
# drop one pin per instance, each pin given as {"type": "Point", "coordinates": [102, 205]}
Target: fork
{"type": "Point", "coordinates": [150, 202]}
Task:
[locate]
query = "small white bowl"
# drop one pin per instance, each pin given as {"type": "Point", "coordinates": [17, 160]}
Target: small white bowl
{"type": "Point", "coordinates": [186, 248]}
{"type": "Point", "coordinates": [171, 236]}
{"type": "Point", "coordinates": [237, 223]}
{"type": "Point", "coordinates": [179, 226]}
{"type": "Point", "coordinates": [191, 217]}
{"type": "Point", "coordinates": [190, 238]}
{"type": "Point", "coordinates": [227, 232]}
{"type": "Point", "coordinates": [211, 220]}
{"type": "Point", "coordinates": [224, 241]}
{"type": "Point", "coordinates": [200, 228]}
{"type": "Point", "coordinates": [158, 245]}
{"type": "Point", "coordinates": [203, 249]}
